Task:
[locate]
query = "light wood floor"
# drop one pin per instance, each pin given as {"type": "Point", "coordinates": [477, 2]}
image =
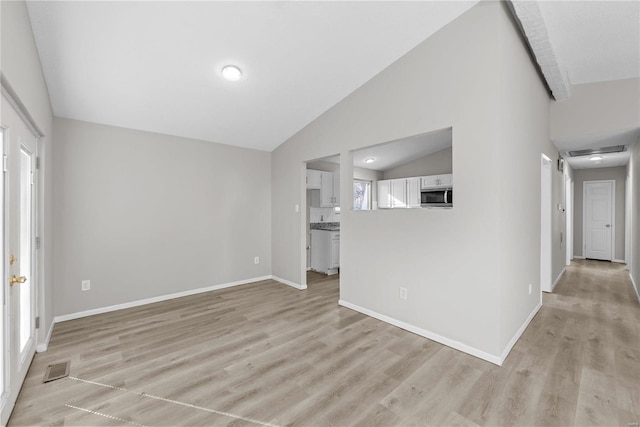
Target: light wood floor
{"type": "Point", "coordinates": [268, 354]}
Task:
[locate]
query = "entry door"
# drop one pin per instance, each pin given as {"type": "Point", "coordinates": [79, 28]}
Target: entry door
{"type": "Point", "coordinates": [598, 214]}
{"type": "Point", "coordinates": [19, 288]}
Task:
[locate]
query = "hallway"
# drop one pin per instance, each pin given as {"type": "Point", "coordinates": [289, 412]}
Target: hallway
{"type": "Point", "coordinates": [591, 326]}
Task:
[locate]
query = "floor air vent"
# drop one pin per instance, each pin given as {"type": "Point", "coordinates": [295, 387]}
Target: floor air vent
{"type": "Point", "coordinates": [56, 371]}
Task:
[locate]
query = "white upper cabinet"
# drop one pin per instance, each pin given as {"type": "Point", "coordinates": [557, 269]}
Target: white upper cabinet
{"type": "Point", "coordinates": [413, 192]}
{"type": "Point", "coordinates": [336, 189]}
{"type": "Point", "coordinates": [384, 194]}
{"type": "Point", "coordinates": [314, 179]}
{"type": "Point", "coordinates": [329, 189]}
{"type": "Point", "coordinates": [392, 193]}
{"type": "Point", "coordinates": [398, 193]}
{"type": "Point", "coordinates": [435, 181]}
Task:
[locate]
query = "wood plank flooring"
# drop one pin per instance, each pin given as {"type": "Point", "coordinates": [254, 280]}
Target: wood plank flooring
{"type": "Point", "coordinates": [266, 354]}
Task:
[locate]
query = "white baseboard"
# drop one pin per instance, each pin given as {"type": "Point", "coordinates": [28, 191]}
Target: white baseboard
{"type": "Point", "coordinates": [43, 346]}
{"type": "Point", "coordinates": [558, 279]}
{"type": "Point", "coordinates": [520, 331]}
{"type": "Point", "coordinates": [578, 257]}
{"type": "Point", "coordinates": [290, 283]}
{"type": "Point", "coordinates": [635, 286]}
{"type": "Point", "coordinates": [425, 333]}
{"type": "Point", "coordinates": [145, 301]}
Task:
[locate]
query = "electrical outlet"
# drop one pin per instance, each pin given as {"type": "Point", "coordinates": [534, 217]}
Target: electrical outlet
{"type": "Point", "coordinates": [530, 288]}
{"type": "Point", "coordinates": [86, 285]}
{"type": "Point", "coordinates": [256, 260]}
{"type": "Point", "coordinates": [297, 208]}
{"type": "Point", "coordinates": [403, 293]}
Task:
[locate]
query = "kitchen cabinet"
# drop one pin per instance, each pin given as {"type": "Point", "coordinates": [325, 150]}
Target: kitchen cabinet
{"type": "Point", "coordinates": [330, 189]}
{"type": "Point", "coordinates": [435, 181]}
{"type": "Point", "coordinates": [314, 179]}
{"type": "Point", "coordinates": [334, 252]}
{"type": "Point", "coordinates": [399, 193]}
{"type": "Point", "coordinates": [384, 194]}
{"type": "Point", "coordinates": [325, 251]}
{"type": "Point", "coordinates": [413, 192]}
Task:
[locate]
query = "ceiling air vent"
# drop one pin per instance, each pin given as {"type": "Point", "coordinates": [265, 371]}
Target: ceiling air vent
{"type": "Point", "coordinates": [592, 151]}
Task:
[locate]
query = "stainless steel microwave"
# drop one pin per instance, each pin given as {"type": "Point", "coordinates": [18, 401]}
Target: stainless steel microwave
{"type": "Point", "coordinates": [436, 197]}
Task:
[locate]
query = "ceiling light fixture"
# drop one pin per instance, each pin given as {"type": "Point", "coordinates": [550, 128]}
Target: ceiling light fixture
{"type": "Point", "coordinates": [596, 158]}
{"type": "Point", "coordinates": [231, 73]}
{"type": "Point", "coordinates": [369, 160]}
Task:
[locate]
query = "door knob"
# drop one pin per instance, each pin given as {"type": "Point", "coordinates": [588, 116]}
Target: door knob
{"type": "Point", "coordinates": [608, 225]}
{"type": "Point", "coordinates": [13, 280]}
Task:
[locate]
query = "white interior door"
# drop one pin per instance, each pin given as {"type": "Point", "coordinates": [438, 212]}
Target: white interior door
{"type": "Point", "coordinates": [19, 278]}
{"type": "Point", "coordinates": [598, 215]}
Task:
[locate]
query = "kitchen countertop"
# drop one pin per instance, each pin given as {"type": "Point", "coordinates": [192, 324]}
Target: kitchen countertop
{"type": "Point", "coordinates": [325, 226]}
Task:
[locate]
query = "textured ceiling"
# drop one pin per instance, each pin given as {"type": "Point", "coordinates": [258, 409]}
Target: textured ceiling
{"type": "Point", "coordinates": [595, 40]}
{"type": "Point", "coordinates": [155, 66]}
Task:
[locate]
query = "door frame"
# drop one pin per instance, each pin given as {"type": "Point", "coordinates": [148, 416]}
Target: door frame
{"type": "Point", "coordinates": [8, 93]}
{"type": "Point", "coordinates": [613, 215]}
{"type": "Point", "coordinates": [4, 312]}
{"type": "Point", "coordinates": [546, 203]}
{"type": "Point", "coordinates": [568, 202]}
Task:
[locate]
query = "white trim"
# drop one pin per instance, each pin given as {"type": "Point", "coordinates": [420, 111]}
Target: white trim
{"type": "Point", "coordinates": [555, 282]}
{"type": "Point", "coordinates": [635, 287]}
{"type": "Point", "coordinates": [14, 100]}
{"type": "Point", "coordinates": [578, 257]}
{"type": "Point", "coordinates": [425, 333]}
{"type": "Point", "coordinates": [619, 261]}
{"type": "Point", "coordinates": [519, 333]}
{"type": "Point", "coordinates": [145, 301]}
{"type": "Point", "coordinates": [43, 346]}
{"type": "Point", "coordinates": [289, 283]}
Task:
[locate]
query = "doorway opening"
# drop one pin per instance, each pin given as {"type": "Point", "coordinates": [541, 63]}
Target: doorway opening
{"type": "Point", "coordinates": [545, 224]}
{"type": "Point", "coordinates": [322, 209]}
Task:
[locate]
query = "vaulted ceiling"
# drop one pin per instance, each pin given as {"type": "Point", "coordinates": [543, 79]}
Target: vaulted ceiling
{"type": "Point", "coordinates": [155, 66]}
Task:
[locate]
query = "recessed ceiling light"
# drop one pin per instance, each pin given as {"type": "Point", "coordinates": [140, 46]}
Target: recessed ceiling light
{"type": "Point", "coordinates": [596, 158]}
{"type": "Point", "coordinates": [231, 73]}
{"type": "Point", "coordinates": [369, 160]}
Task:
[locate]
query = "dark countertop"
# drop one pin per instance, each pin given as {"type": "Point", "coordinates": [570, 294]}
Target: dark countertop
{"type": "Point", "coordinates": [325, 226]}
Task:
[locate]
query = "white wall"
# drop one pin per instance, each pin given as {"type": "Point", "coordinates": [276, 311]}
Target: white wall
{"type": "Point", "coordinates": [524, 135]}
{"type": "Point", "coordinates": [20, 66]}
{"type": "Point", "coordinates": [597, 109]}
{"type": "Point", "coordinates": [448, 259]}
{"type": "Point", "coordinates": [617, 174]}
{"type": "Point", "coordinates": [144, 215]}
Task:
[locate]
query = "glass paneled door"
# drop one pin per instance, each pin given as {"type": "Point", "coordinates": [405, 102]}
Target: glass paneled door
{"type": "Point", "coordinates": [19, 290]}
